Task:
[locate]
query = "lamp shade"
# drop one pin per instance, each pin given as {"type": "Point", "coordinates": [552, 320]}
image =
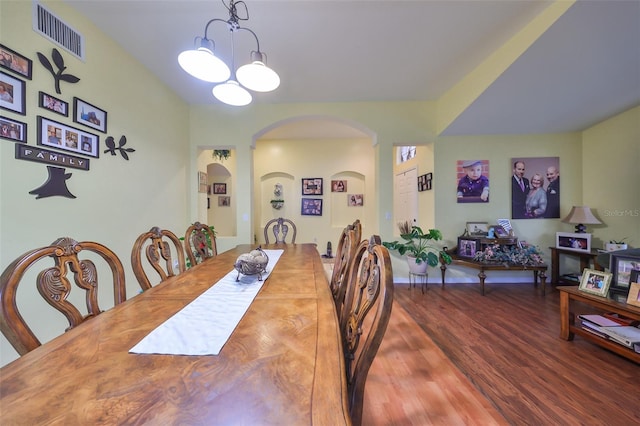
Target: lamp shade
{"type": "Point", "coordinates": [231, 93]}
{"type": "Point", "coordinates": [581, 214]}
{"type": "Point", "coordinates": [204, 65]}
{"type": "Point", "coordinates": [258, 77]}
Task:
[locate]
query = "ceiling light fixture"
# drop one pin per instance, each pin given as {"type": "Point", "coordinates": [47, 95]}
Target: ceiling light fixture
{"type": "Point", "coordinates": [202, 63]}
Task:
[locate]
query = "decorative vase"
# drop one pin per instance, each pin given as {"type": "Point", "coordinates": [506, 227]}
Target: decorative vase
{"type": "Point", "coordinates": [416, 268]}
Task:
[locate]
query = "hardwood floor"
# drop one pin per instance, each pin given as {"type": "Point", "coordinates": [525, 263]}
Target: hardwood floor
{"type": "Point", "coordinates": [454, 357]}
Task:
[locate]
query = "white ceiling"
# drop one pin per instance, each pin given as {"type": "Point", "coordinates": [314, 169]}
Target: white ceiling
{"type": "Point", "coordinates": [584, 69]}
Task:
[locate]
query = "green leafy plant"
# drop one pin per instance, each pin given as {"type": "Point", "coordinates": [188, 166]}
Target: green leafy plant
{"type": "Point", "coordinates": [419, 245]}
{"type": "Point", "coordinates": [497, 253]}
{"type": "Point", "coordinates": [618, 241]}
{"type": "Point", "coordinates": [222, 154]}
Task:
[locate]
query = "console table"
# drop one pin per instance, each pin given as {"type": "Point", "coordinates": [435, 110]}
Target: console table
{"type": "Point", "coordinates": [568, 327]}
{"type": "Point", "coordinates": [539, 271]}
{"type": "Point", "coordinates": [586, 260]}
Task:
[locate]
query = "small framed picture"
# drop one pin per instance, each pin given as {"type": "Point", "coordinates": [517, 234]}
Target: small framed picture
{"type": "Point", "coordinates": [67, 138]}
{"type": "Point", "coordinates": [89, 115]}
{"type": "Point", "coordinates": [595, 282]}
{"type": "Point", "coordinates": [498, 231]}
{"type": "Point", "coordinates": [622, 267]}
{"type": "Point", "coordinates": [13, 130]}
{"type": "Point", "coordinates": [467, 247]}
{"type": "Point", "coordinates": [219, 188]}
{"type": "Point", "coordinates": [15, 62]}
{"type": "Point", "coordinates": [355, 200]}
{"type": "Point", "coordinates": [338, 186]}
{"type": "Point", "coordinates": [53, 104]}
{"type": "Point", "coordinates": [574, 241]}
{"type": "Point", "coordinates": [311, 207]}
{"type": "Point", "coordinates": [224, 201]}
{"type": "Point", "coordinates": [12, 94]}
{"type": "Point", "coordinates": [202, 182]}
{"type": "Point", "coordinates": [633, 298]}
{"type": "Point", "coordinates": [312, 186]}
{"type": "Point", "coordinates": [477, 228]}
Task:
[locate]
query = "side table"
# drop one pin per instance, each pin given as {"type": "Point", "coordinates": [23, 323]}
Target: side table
{"type": "Point", "coordinates": [422, 279]}
{"type": "Point", "coordinates": [586, 260]}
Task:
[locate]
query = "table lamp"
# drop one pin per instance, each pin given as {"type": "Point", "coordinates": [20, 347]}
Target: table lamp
{"type": "Point", "coordinates": [581, 215]}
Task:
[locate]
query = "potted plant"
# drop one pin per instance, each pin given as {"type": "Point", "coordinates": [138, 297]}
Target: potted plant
{"type": "Point", "coordinates": [614, 245]}
{"type": "Point", "coordinates": [419, 247]}
{"type": "Point", "coordinates": [277, 203]}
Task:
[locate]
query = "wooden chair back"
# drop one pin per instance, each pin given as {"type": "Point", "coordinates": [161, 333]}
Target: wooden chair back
{"type": "Point", "coordinates": [54, 285]}
{"type": "Point", "coordinates": [347, 245]}
{"type": "Point", "coordinates": [161, 248]}
{"type": "Point", "coordinates": [200, 243]}
{"type": "Point", "coordinates": [365, 315]}
{"type": "Point", "coordinates": [280, 228]}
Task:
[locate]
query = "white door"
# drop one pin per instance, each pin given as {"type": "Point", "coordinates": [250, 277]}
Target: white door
{"type": "Point", "coordinates": [405, 197]}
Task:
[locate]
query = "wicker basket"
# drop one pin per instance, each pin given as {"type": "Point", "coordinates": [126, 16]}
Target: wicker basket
{"type": "Point", "coordinates": [252, 263]}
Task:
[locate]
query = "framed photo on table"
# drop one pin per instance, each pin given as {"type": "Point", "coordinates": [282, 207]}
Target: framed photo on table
{"type": "Point", "coordinates": [595, 282]}
{"type": "Point", "coordinates": [468, 247]}
{"type": "Point", "coordinates": [477, 228]}
{"type": "Point", "coordinates": [574, 241]}
{"type": "Point", "coordinates": [89, 115]}
{"type": "Point", "coordinates": [311, 186]}
{"type": "Point", "coordinates": [13, 94]}
{"type": "Point", "coordinates": [67, 138]}
{"type": "Point", "coordinates": [622, 267]}
{"type": "Point", "coordinates": [633, 298]}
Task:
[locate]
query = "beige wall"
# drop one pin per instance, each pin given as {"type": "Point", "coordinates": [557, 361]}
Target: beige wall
{"type": "Point", "coordinates": [116, 199]}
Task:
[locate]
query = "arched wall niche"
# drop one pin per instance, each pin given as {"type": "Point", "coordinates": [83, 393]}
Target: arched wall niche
{"type": "Point", "coordinates": [221, 211]}
{"type": "Point", "coordinates": [343, 212]}
{"type": "Point", "coordinates": [265, 194]}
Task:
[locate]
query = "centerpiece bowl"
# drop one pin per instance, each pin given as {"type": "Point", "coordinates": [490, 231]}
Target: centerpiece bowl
{"type": "Point", "coordinates": [252, 263]}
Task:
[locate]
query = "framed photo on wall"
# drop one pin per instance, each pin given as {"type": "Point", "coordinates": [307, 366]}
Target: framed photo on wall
{"type": "Point", "coordinates": [338, 186]}
{"type": "Point", "coordinates": [15, 62]}
{"type": "Point", "coordinates": [219, 188]}
{"type": "Point", "coordinates": [355, 200]}
{"type": "Point", "coordinates": [13, 130]}
{"type": "Point", "coordinates": [13, 94]}
{"type": "Point", "coordinates": [202, 182]}
{"type": "Point", "coordinates": [311, 186]}
{"type": "Point", "coordinates": [60, 136]}
{"type": "Point", "coordinates": [311, 207]}
{"type": "Point", "coordinates": [472, 177]}
{"type": "Point", "coordinates": [89, 115]}
{"type": "Point", "coordinates": [224, 201]}
{"type": "Point", "coordinates": [53, 104]}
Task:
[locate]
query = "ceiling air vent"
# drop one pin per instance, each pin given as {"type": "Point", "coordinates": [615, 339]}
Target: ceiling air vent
{"type": "Point", "coordinates": [56, 30]}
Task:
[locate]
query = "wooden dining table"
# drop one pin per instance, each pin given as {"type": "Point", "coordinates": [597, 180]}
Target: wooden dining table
{"type": "Point", "coordinates": [282, 365]}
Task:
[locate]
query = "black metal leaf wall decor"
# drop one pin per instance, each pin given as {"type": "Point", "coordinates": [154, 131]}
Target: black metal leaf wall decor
{"type": "Point", "coordinates": [56, 184]}
{"type": "Point", "coordinates": [58, 75]}
{"type": "Point", "coordinates": [111, 143]}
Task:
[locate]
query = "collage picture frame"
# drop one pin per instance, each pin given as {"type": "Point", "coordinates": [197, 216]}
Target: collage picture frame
{"type": "Point", "coordinates": [311, 207]}
{"type": "Point", "coordinates": [61, 136]}
{"type": "Point", "coordinates": [311, 186]}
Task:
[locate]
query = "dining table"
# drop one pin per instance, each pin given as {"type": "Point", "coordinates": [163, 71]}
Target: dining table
{"type": "Point", "coordinates": [281, 365]}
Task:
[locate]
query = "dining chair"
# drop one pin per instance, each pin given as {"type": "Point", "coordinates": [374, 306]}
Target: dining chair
{"type": "Point", "coordinates": [347, 245]}
{"type": "Point", "coordinates": [164, 253]}
{"type": "Point", "coordinates": [200, 243]}
{"type": "Point", "coordinates": [365, 315]}
{"type": "Point", "coordinates": [280, 228]}
{"type": "Point", "coordinates": [54, 285]}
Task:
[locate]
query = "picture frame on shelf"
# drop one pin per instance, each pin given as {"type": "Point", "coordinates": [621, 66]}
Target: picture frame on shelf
{"type": "Point", "coordinates": [13, 94]}
{"type": "Point", "coordinates": [468, 247]}
{"type": "Point", "coordinates": [53, 104]}
{"type": "Point", "coordinates": [477, 228]}
{"type": "Point", "coordinates": [311, 186]}
{"type": "Point", "coordinates": [633, 298]}
{"type": "Point", "coordinates": [311, 207]}
{"type": "Point", "coordinates": [89, 115]}
{"type": "Point", "coordinates": [61, 136]}
{"type": "Point", "coordinates": [15, 62]}
{"type": "Point", "coordinates": [498, 231]}
{"type": "Point", "coordinates": [622, 266]}
{"type": "Point", "coordinates": [580, 242]}
{"type": "Point", "coordinates": [595, 282]}
{"type": "Point", "coordinates": [219, 188]}
{"type": "Point", "coordinates": [12, 130]}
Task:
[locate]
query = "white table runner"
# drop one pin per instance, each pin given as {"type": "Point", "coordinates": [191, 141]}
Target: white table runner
{"type": "Point", "coordinates": [204, 325]}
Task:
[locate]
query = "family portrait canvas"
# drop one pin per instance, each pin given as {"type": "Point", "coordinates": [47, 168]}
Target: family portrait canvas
{"type": "Point", "coordinates": [535, 188]}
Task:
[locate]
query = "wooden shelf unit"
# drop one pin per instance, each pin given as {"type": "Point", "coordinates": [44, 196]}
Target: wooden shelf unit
{"type": "Point", "coordinates": [569, 328]}
{"type": "Point", "coordinates": [587, 259]}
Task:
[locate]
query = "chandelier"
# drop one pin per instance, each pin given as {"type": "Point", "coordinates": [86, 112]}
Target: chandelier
{"type": "Point", "coordinates": [203, 64]}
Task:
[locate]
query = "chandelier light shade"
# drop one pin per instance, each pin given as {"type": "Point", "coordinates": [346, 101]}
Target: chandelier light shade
{"type": "Point", "coordinates": [202, 63]}
{"type": "Point", "coordinates": [581, 215]}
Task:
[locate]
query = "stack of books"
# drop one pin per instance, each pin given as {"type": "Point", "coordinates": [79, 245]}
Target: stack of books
{"type": "Point", "coordinates": [614, 327]}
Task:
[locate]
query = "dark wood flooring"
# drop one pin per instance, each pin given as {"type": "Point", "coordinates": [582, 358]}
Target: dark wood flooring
{"type": "Point", "coordinates": [506, 345]}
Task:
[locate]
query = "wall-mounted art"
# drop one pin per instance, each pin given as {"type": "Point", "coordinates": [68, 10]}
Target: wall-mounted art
{"type": "Point", "coordinates": [60, 136]}
{"type": "Point", "coordinates": [112, 148]}
{"type": "Point", "coordinates": [89, 115]}
{"type": "Point", "coordinates": [55, 186]}
{"type": "Point", "coordinates": [311, 207]}
{"type": "Point", "coordinates": [12, 130]}
{"type": "Point", "coordinates": [355, 200]}
{"type": "Point", "coordinates": [224, 201]}
{"type": "Point", "coordinates": [202, 182]}
{"type": "Point", "coordinates": [473, 181]}
{"type": "Point", "coordinates": [312, 186]}
{"type": "Point", "coordinates": [219, 188]}
{"type": "Point", "coordinates": [424, 182]}
{"type": "Point", "coordinates": [338, 186]}
{"type": "Point", "coordinates": [40, 155]}
{"type": "Point", "coordinates": [535, 187]}
{"type": "Point", "coordinates": [59, 74]}
{"type": "Point", "coordinates": [15, 62]}
{"type": "Point", "coordinates": [53, 104]}
{"type": "Point", "coordinates": [12, 94]}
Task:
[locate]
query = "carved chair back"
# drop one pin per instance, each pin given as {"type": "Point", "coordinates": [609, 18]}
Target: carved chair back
{"type": "Point", "coordinates": [164, 253]}
{"type": "Point", "coordinates": [54, 285]}
{"type": "Point", "coordinates": [346, 249]}
{"type": "Point", "coordinates": [200, 243]}
{"type": "Point", "coordinates": [280, 228]}
{"type": "Point", "coordinates": [365, 315]}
